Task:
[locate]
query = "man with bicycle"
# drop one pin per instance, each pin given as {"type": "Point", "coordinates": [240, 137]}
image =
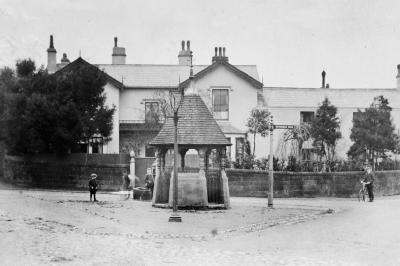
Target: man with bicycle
{"type": "Point", "coordinates": [368, 180]}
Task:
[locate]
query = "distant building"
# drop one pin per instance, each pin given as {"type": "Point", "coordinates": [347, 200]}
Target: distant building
{"type": "Point", "coordinates": [294, 106]}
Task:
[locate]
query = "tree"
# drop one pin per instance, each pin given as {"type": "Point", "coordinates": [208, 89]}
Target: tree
{"type": "Point", "coordinates": [373, 132]}
{"type": "Point", "coordinates": [258, 123]}
{"type": "Point", "coordinates": [325, 129]}
{"type": "Point", "coordinates": [54, 113]}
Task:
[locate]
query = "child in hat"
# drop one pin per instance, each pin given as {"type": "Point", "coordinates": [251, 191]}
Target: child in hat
{"type": "Point", "coordinates": [93, 186]}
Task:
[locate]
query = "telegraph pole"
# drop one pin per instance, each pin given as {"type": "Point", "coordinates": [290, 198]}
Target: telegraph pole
{"type": "Point", "coordinates": [271, 166]}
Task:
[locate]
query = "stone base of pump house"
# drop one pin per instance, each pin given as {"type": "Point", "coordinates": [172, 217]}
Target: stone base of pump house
{"type": "Point", "coordinates": [196, 189]}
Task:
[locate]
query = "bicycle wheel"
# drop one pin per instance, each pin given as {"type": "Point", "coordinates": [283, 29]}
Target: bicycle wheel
{"type": "Point", "coordinates": [361, 195]}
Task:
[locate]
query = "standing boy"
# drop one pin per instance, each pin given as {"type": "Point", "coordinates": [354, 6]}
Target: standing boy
{"type": "Point", "coordinates": [369, 182]}
{"type": "Point", "coordinates": [93, 186]}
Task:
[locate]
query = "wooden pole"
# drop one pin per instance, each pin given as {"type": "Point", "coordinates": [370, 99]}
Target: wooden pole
{"type": "Point", "coordinates": [175, 216]}
{"type": "Point", "coordinates": [271, 167]}
{"type": "Point", "coordinates": [175, 199]}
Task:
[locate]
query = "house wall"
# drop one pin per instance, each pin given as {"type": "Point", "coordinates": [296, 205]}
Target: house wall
{"type": "Point", "coordinates": [242, 96]}
{"type": "Point", "coordinates": [131, 102]}
{"type": "Point", "coordinates": [112, 99]}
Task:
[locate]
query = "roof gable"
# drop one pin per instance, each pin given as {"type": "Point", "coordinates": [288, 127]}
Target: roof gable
{"type": "Point", "coordinates": [159, 75]}
{"type": "Point", "coordinates": [241, 74]}
{"type": "Point", "coordinates": [80, 61]}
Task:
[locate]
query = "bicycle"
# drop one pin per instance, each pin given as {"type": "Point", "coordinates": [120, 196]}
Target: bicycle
{"type": "Point", "coordinates": [363, 192]}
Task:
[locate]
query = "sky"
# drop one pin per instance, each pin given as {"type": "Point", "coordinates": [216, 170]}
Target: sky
{"type": "Point", "coordinates": [291, 41]}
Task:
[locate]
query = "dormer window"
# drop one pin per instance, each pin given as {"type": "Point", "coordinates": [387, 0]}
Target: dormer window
{"type": "Point", "coordinates": [220, 99]}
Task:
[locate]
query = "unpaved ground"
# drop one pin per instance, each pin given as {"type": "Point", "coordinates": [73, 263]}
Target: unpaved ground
{"type": "Point", "coordinates": [63, 228]}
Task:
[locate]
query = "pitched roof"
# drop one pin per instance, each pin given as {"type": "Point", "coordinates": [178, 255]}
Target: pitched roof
{"type": "Point", "coordinates": [228, 128]}
{"type": "Point", "coordinates": [162, 76]}
{"type": "Point", "coordinates": [253, 80]}
{"type": "Point", "coordinates": [276, 97]}
{"type": "Point", "coordinates": [196, 126]}
{"type": "Point", "coordinates": [80, 61]}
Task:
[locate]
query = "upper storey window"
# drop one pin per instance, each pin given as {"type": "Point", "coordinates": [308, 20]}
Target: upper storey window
{"type": "Point", "coordinates": [152, 112]}
{"type": "Point", "coordinates": [306, 117]}
{"type": "Point", "coordinates": [220, 99]}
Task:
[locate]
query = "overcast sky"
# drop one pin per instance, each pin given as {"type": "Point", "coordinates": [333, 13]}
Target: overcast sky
{"type": "Point", "coordinates": [291, 42]}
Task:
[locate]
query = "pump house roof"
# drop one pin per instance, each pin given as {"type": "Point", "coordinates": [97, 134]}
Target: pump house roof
{"type": "Point", "coordinates": [196, 126]}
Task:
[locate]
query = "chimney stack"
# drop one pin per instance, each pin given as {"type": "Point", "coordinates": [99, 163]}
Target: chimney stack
{"type": "Point", "coordinates": [51, 57]}
{"type": "Point", "coordinates": [184, 57]}
{"type": "Point", "coordinates": [64, 61]}
{"type": "Point", "coordinates": [219, 55]}
{"type": "Point", "coordinates": [323, 79]}
{"type": "Point", "coordinates": [398, 77]}
{"type": "Point", "coordinates": [118, 55]}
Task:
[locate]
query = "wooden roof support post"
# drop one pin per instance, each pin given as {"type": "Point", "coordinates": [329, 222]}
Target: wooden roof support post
{"type": "Point", "coordinates": [157, 188]}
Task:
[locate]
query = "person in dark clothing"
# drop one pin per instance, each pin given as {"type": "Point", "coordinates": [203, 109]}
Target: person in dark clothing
{"type": "Point", "coordinates": [93, 186]}
{"type": "Point", "coordinates": [149, 182]}
{"type": "Point", "coordinates": [368, 180]}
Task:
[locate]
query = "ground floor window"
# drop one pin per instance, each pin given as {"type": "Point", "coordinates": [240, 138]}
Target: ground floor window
{"type": "Point", "coordinates": [306, 154]}
{"type": "Point", "coordinates": [228, 150]}
{"type": "Point", "coordinates": [96, 143]}
{"type": "Point", "coordinates": [239, 148]}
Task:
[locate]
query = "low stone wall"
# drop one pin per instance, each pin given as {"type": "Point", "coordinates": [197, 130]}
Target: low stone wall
{"type": "Point", "coordinates": [73, 171]}
{"type": "Point", "coordinates": [252, 183]}
{"type": "Point", "coordinates": [68, 172]}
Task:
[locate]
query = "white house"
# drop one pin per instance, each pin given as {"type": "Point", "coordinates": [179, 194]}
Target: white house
{"type": "Point", "coordinates": [230, 92]}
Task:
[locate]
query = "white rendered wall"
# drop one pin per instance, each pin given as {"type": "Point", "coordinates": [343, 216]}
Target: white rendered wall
{"type": "Point", "coordinates": [112, 98]}
{"type": "Point", "coordinates": [132, 102]}
{"type": "Point", "coordinates": [242, 96]}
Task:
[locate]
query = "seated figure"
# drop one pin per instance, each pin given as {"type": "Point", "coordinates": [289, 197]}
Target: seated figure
{"type": "Point", "coordinates": [146, 191]}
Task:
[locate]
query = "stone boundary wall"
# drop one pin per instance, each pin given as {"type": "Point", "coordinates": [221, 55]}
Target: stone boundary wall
{"type": "Point", "coordinates": [253, 183]}
{"type": "Point", "coordinates": [73, 171]}
{"type": "Point", "coordinates": [68, 172]}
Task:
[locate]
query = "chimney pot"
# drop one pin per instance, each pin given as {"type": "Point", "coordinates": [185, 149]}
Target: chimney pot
{"type": "Point", "coordinates": [220, 51]}
{"type": "Point", "coordinates": [216, 51]}
{"type": "Point", "coordinates": [118, 55]}
{"type": "Point", "coordinates": [323, 78]}
{"type": "Point", "coordinates": [64, 60]}
{"type": "Point", "coordinates": [223, 51]}
{"type": "Point", "coordinates": [184, 54]}
{"type": "Point", "coordinates": [51, 41]}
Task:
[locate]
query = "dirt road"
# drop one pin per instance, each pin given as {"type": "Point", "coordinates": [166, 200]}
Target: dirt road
{"type": "Point", "coordinates": [53, 228]}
